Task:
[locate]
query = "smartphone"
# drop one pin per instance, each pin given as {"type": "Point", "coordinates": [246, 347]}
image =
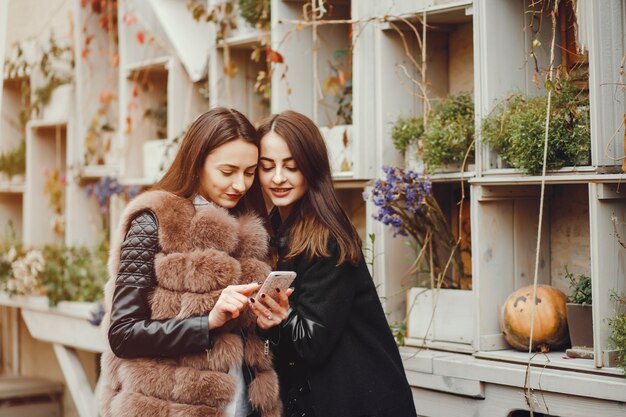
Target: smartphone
{"type": "Point", "coordinates": [277, 279]}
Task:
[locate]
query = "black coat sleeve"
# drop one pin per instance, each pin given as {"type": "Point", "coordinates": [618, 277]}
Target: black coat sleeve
{"type": "Point", "coordinates": [132, 333]}
{"type": "Point", "coordinates": [325, 297]}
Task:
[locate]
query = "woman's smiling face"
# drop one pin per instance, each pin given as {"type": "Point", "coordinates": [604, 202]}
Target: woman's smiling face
{"type": "Point", "coordinates": [279, 175]}
{"type": "Point", "coordinates": [228, 172]}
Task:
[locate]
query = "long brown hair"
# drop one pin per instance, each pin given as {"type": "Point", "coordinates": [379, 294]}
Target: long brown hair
{"type": "Point", "coordinates": [209, 131]}
{"type": "Point", "coordinates": [318, 214]}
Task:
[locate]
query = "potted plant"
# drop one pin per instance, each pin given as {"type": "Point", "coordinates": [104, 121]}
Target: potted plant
{"type": "Point", "coordinates": [407, 205]}
{"type": "Point", "coordinates": [449, 134]}
{"type": "Point", "coordinates": [516, 128]}
{"type": "Point", "coordinates": [618, 329]}
{"type": "Point", "coordinates": [407, 136]}
{"type": "Point", "coordinates": [578, 307]}
{"type": "Point", "coordinates": [13, 162]}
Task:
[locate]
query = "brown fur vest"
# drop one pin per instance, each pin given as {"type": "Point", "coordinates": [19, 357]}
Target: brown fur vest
{"type": "Point", "coordinates": [202, 252]}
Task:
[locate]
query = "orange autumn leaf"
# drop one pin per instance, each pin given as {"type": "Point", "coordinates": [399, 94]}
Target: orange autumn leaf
{"type": "Point", "coordinates": [274, 57]}
{"type": "Point", "coordinates": [141, 37]}
{"type": "Point", "coordinates": [85, 53]}
{"type": "Point", "coordinates": [135, 90]}
{"type": "Point", "coordinates": [116, 59]}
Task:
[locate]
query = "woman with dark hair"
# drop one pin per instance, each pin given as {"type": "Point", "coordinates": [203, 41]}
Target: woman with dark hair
{"type": "Point", "coordinates": [188, 255]}
{"type": "Point", "coordinates": [333, 350]}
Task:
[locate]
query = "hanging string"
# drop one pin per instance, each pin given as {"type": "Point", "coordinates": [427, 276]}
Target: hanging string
{"type": "Point", "coordinates": [541, 204]}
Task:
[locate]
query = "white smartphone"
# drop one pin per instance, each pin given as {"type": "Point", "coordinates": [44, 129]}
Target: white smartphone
{"type": "Point", "coordinates": [277, 279]}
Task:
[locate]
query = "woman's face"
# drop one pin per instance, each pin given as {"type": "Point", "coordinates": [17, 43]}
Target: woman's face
{"type": "Point", "coordinates": [280, 177]}
{"type": "Point", "coordinates": [228, 172]}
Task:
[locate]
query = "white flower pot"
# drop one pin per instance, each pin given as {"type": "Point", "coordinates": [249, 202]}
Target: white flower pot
{"type": "Point", "coordinates": [157, 158]}
{"type": "Point", "coordinates": [413, 161]}
{"type": "Point", "coordinates": [451, 310]}
{"type": "Point", "coordinates": [339, 143]}
{"type": "Point", "coordinates": [60, 103]}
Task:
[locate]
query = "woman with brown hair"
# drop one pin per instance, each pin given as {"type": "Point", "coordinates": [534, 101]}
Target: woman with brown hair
{"type": "Point", "coordinates": [188, 255]}
{"type": "Point", "coordinates": [334, 352]}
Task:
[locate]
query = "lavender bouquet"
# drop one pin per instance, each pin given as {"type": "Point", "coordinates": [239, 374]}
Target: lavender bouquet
{"type": "Point", "coordinates": [409, 208]}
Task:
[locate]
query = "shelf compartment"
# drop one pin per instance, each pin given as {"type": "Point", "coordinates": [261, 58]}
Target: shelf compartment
{"type": "Point", "coordinates": [46, 148]}
{"type": "Point", "coordinates": [449, 66]}
{"type": "Point", "coordinates": [505, 240]}
{"type": "Point", "coordinates": [444, 318]}
{"type": "Point", "coordinates": [233, 75]}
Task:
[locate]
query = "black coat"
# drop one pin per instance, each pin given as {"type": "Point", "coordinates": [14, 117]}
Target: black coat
{"type": "Point", "coordinates": [335, 350]}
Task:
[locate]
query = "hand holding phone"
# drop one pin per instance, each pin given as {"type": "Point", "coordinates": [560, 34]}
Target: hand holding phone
{"type": "Point", "coordinates": [277, 279]}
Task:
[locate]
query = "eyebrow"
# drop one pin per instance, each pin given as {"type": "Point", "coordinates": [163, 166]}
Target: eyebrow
{"type": "Point", "coordinates": [236, 166]}
{"type": "Point", "coordinates": [265, 158]}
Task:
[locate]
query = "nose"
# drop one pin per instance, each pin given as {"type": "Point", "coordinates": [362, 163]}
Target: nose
{"type": "Point", "coordinates": [278, 177]}
{"type": "Point", "coordinates": [239, 184]}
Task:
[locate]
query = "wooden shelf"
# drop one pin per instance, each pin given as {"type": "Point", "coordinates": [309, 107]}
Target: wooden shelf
{"type": "Point", "coordinates": [553, 360]}
{"type": "Point", "coordinates": [7, 187]}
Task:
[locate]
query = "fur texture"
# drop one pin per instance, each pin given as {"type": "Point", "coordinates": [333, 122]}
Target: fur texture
{"type": "Point", "coordinates": [202, 252]}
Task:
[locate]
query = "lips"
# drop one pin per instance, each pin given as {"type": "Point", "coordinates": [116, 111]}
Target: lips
{"type": "Point", "coordinates": [234, 196]}
{"type": "Point", "coordinates": [280, 192]}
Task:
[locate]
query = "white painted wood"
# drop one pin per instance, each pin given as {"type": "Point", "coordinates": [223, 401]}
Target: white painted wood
{"type": "Point", "coordinates": [553, 360]}
{"type": "Point", "coordinates": [493, 269]}
{"type": "Point", "coordinates": [61, 327]}
{"type": "Point", "coordinates": [41, 153]}
{"type": "Point", "coordinates": [524, 240]}
{"type": "Point", "coordinates": [295, 46]}
{"type": "Point", "coordinates": [605, 387]}
{"type": "Point", "coordinates": [608, 260]}
{"type": "Point", "coordinates": [76, 380]}
{"type": "Point", "coordinates": [188, 37]}
{"type": "Point", "coordinates": [4, 17]}
{"type": "Point", "coordinates": [501, 400]}
{"type": "Point", "coordinates": [604, 22]}
{"type": "Point", "coordinates": [443, 315]}
{"type": "Point", "coordinates": [456, 386]}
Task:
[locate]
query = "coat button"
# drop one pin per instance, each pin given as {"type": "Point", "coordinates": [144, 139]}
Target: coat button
{"type": "Point", "coordinates": [292, 364]}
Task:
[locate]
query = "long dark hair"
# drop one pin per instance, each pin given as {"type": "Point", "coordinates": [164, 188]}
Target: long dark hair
{"type": "Point", "coordinates": [318, 214]}
{"type": "Point", "coordinates": [209, 131]}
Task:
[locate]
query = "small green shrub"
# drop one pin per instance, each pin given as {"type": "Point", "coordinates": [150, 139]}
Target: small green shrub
{"type": "Point", "coordinates": [580, 288]}
{"type": "Point", "coordinates": [618, 329]}
{"type": "Point", "coordinates": [450, 131]}
{"type": "Point", "coordinates": [256, 12]}
{"type": "Point", "coordinates": [516, 129]}
{"type": "Point", "coordinates": [74, 273]}
{"type": "Point", "coordinates": [13, 162]}
{"type": "Point", "coordinates": [406, 131]}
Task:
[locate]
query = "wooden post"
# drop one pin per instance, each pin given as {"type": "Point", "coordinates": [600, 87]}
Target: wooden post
{"type": "Point", "coordinates": [624, 157]}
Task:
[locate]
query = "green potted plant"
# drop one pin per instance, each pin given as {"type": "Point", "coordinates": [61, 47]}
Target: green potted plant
{"type": "Point", "coordinates": [618, 329]}
{"type": "Point", "coordinates": [13, 162]}
{"type": "Point", "coordinates": [407, 136]}
{"type": "Point", "coordinates": [516, 128]}
{"type": "Point", "coordinates": [449, 133]}
{"type": "Point", "coordinates": [579, 318]}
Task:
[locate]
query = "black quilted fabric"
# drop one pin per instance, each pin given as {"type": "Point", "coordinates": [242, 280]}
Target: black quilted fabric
{"type": "Point", "coordinates": [138, 251]}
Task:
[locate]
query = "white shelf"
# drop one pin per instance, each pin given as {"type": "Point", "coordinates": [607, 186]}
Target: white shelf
{"type": "Point", "coordinates": [159, 63]}
{"type": "Point", "coordinates": [553, 360]}
{"type": "Point", "coordinates": [8, 187]}
{"type": "Point", "coordinates": [95, 172]}
{"type": "Point", "coordinates": [552, 178]}
{"type": "Point", "coordinates": [245, 40]}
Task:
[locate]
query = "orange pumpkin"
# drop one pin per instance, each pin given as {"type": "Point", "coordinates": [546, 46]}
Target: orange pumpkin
{"type": "Point", "coordinates": [550, 329]}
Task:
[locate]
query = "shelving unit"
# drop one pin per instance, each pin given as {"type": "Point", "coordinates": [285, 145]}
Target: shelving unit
{"type": "Point", "coordinates": [455, 352]}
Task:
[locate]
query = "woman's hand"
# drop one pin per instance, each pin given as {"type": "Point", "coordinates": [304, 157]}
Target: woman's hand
{"type": "Point", "coordinates": [233, 300]}
{"type": "Point", "coordinates": [272, 309]}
